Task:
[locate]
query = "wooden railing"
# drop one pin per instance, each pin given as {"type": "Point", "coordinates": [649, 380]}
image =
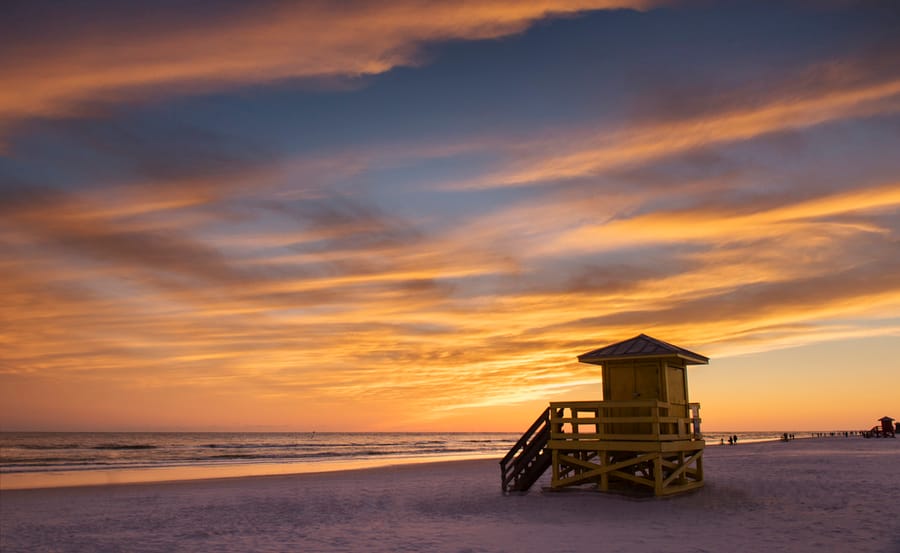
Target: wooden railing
{"type": "Point", "coordinates": [695, 420]}
{"type": "Point", "coordinates": [637, 420]}
{"type": "Point", "coordinates": [529, 458]}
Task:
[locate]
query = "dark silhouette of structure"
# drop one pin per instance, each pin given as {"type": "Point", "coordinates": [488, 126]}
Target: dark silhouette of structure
{"type": "Point", "coordinates": [886, 430]}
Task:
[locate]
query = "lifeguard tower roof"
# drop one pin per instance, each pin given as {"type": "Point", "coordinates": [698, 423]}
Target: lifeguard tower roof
{"type": "Point", "coordinates": [638, 347]}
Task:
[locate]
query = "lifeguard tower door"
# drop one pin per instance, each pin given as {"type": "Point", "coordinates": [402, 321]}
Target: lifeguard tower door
{"type": "Point", "coordinates": [628, 381]}
{"type": "Point", "coordinates": [676, 389]}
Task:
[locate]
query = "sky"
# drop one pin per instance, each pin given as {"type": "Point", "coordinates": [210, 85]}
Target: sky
{"type": "Point", "coordinates": [405, 215]}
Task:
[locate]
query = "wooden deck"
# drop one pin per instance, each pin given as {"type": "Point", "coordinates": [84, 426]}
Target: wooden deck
{"type": "Point", "coordinates": [646, 446]}
{"type": "Point", "coordinates": [641, 446]}
{"type": "Point", "coordinates": [638, 420]}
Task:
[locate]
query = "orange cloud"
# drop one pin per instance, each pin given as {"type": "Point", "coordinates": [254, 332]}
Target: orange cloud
{"type": "Point", "coordinates": [60, 74]}
{"type": "Point", "coordinates": [322, 300]}
{"type": "Point", "coordinates": [414, 321]}
{"type": "Point", "coordinates": [719, 225]}
{"type": "Point", "coordinates": [613, 149]}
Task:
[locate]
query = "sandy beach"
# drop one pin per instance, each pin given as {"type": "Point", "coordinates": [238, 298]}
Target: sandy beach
{"type": "Point", "coordinates": [810, 495]}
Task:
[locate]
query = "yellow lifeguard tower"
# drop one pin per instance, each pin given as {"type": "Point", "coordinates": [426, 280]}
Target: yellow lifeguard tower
{"type": "Point", "coordinates": [644, 435]}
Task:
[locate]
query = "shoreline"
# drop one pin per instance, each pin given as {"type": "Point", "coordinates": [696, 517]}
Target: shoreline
{"type": "Point", "coordinates": [63, 478]}
{"type": "Point", "coordinates": [54, 479]}
{"type": "Point", "coordinates": [810, 495]}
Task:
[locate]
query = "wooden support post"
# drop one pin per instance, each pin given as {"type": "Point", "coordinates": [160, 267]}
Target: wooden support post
{"type": "Point", "coordinates": [605, 460]}
{"type": "Point", "coordinates": [654, 414]}
{"type": "Point", "coordinates": [555, 463]}
{"type": "Point", "coordinates": [700, 467]}
{"type": "Point", "coordinates": [657, 475]}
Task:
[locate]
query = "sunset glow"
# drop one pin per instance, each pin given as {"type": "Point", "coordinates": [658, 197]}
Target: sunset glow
{"type": "Point", "coordinates": [409, 216]}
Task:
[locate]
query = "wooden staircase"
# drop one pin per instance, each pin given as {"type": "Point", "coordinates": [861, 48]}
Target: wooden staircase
{"type": "Point", "coordinates": [529, 458]}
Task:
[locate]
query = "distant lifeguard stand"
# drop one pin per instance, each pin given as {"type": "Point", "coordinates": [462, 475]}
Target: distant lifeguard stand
{"type": "Point", "coordinates": [644, 435]}
{"type": "Point", "coordinates": [887, 426]}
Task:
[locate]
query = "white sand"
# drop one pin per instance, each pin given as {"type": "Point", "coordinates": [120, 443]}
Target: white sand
{"type": "Point", "coordinates": [816, 495]}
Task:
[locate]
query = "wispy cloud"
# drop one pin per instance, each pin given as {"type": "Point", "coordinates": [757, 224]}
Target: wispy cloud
{"type": "Point", "coordinates": [64, 72]}
{"type": "Point", "coordinates": [579, 153]}
{"type": "Point", "coordinates": [422, 274]}
{"type": "Point", "coordinates": [415, 314]}
{"type": "Point", "coordinates": [717, 225]}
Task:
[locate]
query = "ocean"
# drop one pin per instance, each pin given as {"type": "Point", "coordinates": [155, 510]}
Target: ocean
{"type": "Point", "coordinates": [71, 451]}
{"type": "Point", "coordinates": [75, 451]}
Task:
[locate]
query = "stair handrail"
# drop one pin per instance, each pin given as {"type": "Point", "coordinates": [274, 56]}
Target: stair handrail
{"type": "Point", "coordinates": [525, 443]}
{"type": "Point", "coordinates": [543, 417]}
